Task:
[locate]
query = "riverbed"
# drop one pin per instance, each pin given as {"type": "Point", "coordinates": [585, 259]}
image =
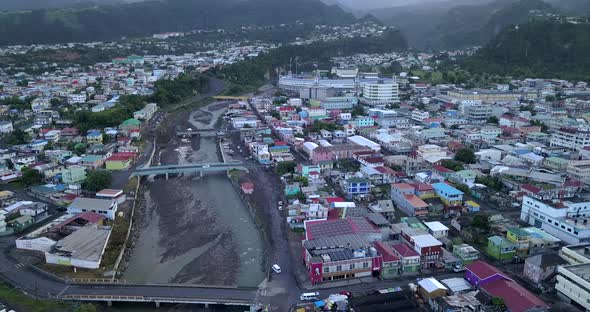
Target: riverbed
{"type": "Point", "coordinates": [195, 230]}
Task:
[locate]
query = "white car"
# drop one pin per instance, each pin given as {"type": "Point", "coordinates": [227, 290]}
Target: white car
{"type": "Point", "coordinates": [276, 268]}
{"type": "Point", "coordinates": [280, 207]}
{"type": "Point", "coordinates": [280, 202]}
{"type": "Point", "coordinates": [206, 166]}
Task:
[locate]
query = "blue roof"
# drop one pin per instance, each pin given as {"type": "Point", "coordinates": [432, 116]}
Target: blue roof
{"type": "Point", "coordinates": [94, 133]}
{"type": "Point", "coordinates": [447, 189]}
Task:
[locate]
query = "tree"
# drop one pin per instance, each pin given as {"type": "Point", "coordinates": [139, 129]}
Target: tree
{"type": "Point", "coordinates": [481, 221]}
{"type": "Point", "coordinates": [9, 164]}
{"type": "Point", "coordinates": [97, 180]}
{"type": "Point", "coordinates": [451, 164]}
{"type": "Point", "coordinates": [463, 188]}
{"type": "Point", "coordinates": [357, 110]}
{"type": "Point", "coordinates": [465, 155]}
{"type": "Point", "coordinates": [286, 167]}
{"type": "Point", "coordinates": [454, 127]}
{"type": "Point", "coordinates": [31, 176]}
{"type": "Point", "coordinates": [17, 137]}
{"type": "Point", "coordinates": [493, 120]}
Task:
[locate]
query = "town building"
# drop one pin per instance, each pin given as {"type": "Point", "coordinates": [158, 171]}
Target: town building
{"type": "Point", "coordinates": [571, 138]}
{"type": "Point", "coordinates": [73, 174]}
{"type": "Point", "coordinates": [379, 92]}
{"type": "Point", "coordinates": [105, 207]}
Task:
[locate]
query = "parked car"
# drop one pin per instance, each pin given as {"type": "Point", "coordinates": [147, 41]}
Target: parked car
{"type": "Point", "coordinates": [459, 268]}
{"type": "Point", "coordinates": [276, 268]}
{"type": "Point", "coordinates": [346, 293]}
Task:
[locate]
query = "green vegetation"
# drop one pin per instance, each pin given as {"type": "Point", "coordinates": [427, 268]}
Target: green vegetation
{"type": "Point", "coordinates": [357, 110]}
{"type": "Point", "coordinates": [481, 221]}
{"type": "Point", "coordinates": [167, 91]}
{"type": "Point", "coordinates": [452, 165]}
{"type": "Point", "coordinates": [537, 49]}
{"type": "Point", "coordinates": [86, 120]}
{"type": "Point", "coordinates": [465, 155]}
{"type": "Point", "coordinates": [320, 125]}
{"type": "Point", "coordinates": [348, 165]}
{"type": "Point", "coordinates": [17, 137]}
{"type": "Point", "coordinates": [250, 74]}
{"type": "Point", "coordinates": [286, 167]}
{"type": "Point", "coordinates": [97, 180]}
{"type": "Point", "coordinates": [15, 297]}
{"type": "Point", "coordinates": [104, 22]}
{"type": "Point", "coordinates": [493, 120]}
{"type": "Point", "coordinates": [492, 182]}
{"type": "Point", "coordinates": [31, 177]}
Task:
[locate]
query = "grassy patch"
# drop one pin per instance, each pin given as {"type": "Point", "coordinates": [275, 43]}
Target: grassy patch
{"type": "Point", "coordinates": [115, 243]}
{"type": "Point", "coordinates": [15, 298]}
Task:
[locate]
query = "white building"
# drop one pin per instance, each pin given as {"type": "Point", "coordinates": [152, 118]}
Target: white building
{"type": "Point", "coordinates": [573, 284]}
{"type": "Point", "coordinates": [571, 138]}
{"type": "Point", "coordinates": [419, 116]}
{"type": "Point", "coordinates": [241, 122]}
{"type": "Point", "coordinates": [84, 248]}
{"type": "Point", "coordinates": [147, 112]}
{"type": "Point", "coordinates": [428, 151]}
{"type": "Point", "coordinates": [380, 91]}
{"type": "Point", "coordinates": [437, 229]}
{"type": "Point", "coordinates": [362, 141]}
{"type": "Point", "coordinates": [6, 126]}
{"type": "Point", "coordinates": [76, 98]}
{"type": "Point", "coordinates": [107, 208]}
{"type": "Point", "coordinates": [579, 170]}
{"type": "Point", "coordinates": [566, 220]}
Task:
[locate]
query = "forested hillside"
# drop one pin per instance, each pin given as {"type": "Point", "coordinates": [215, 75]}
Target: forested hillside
{"type": "Point", "coordinates": [537, 49]}
{"type": "Point", "coordinates": [137, 19]}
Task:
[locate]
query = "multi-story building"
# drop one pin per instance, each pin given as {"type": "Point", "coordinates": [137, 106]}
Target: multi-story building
{"type": "Point", "coordinates": [364, 121]}
{"type": "Point", "coordinates": [428, 247]}
{"type": "Point", "coordinates": [76, 98]}
{"type": "Point", "coordinates": [449, 195]}
{"type": "Point", "coordinates": [573, 284]}
{"type": "Point", "coordinates": [331, 103]}
{"type": "Point", "coordinates": [403, 195]}
{"type": "Point", "coordinates": [571, 138]}
{"type": "Point", "coordinates": [341, 249]}
{"type": "Point", "coordinates": [107, 208]}
{"type": "Point", "coordinates": [147, 112]}
{"type": "Point", "coordinates": [419, 116]}
{"type": "Point", "coordinates": [379, 92]}
{"type": "Point", "coordinates": [490, 96]}
{"type": "Point", "coordinates": [478, 113]}
{"type": "Point", "coordinates": [73, 174]}
{"type": "Point", "coordinates": [430, 150]}
{"type": "Point", "coordinates": [579, 170]}
{"type": "Point", "coordinates": [6, 126]}
{"type": "Point", "coordinates": [564, 219]}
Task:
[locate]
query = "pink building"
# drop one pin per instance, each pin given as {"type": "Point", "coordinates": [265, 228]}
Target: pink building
{"type": "Point", "coordinates": [321, 154]}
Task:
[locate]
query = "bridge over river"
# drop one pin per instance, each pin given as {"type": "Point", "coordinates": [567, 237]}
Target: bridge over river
{"type": "Point", "coordinates": [188, 168]}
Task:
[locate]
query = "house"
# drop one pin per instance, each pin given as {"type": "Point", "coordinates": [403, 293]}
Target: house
{"type": "Point", "coordinates": [94, 137]}
{"type": "Point", "coordinates": [119, 161]}
{"type": "Point", "coordinates": [147, 112]}
{"type": "Point", "coordinates": [450, 196]}
{"type": "Point", "coordinates": [437, 229]}
{"type": "Point", "coordinates": [403, 195]}
{"type": "Point", "coordinates": [130, 125]}
{"type": "Point", "coordinates": [500, 248]}
{"type": "Point", "coordinates": [105, 207]}
{"type": "Point", "coordinates": [92, 162]}
{"type": "Point", "coordinates": [541, 267]}
{"type": "Point", "coordinates": [431, 288]}
{"type": "Point", "coordinates": [466, 253]}
{"type": "Point", "coordinates": [21, 223]}
{"type": "Point", "coordinates": [392, 263]}
{"type": "Point", "coordinates": [428, 247]}
{"type": "Point", "coordinates": [73, 174]}
{"type": "Point", "coordinates": [385, 208]}
{"type": "Point", "coordinates": [354, 187]}
{"type": "Point", "coordinates": [6, 126]}
{"type": "Point", "coordinates": [496, 283]}
{"type": "Point", "coordinates": [410, 259]}
{"type": "Point", "coordinates": [466, 177]}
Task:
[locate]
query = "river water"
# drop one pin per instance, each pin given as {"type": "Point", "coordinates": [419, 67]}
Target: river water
{"type": "Point", "coordinates": [196, 231]}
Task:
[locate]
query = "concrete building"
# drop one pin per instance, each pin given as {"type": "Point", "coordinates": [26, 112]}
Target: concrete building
{"type": "Point", "coordinates": [579, 170]}
{"type": "Point", "coordinates": [73, 174]}
{"type": "Point", "coordinates": [573, 284]}
{"type": "Point", "coordinates": [6, 126]}
{"type": "Point", "coordinates": [107, 208]}
{"type": "Point", "coordinates": [147, 112]}
{"type": "Point", "coordinates": [84, 248]}
{"type": "Point", "coordinates": [571, 138]}
{"type": "Point", "coordinates": [478, 113]}
{"type": "Point", "coordinates": [379, 92]}
{"type": "Point", "coordinates": [566, 220]}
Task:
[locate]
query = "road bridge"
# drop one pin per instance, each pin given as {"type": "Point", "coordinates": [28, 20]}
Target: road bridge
{"type": "Point", "coordinates": [188, 168]}
{"type": "Point", "coordinates": [158, 294]}
{"type": "Point", "coordinates": [207, 133]}
{"type": "Point", "coordinates": [231, 98]}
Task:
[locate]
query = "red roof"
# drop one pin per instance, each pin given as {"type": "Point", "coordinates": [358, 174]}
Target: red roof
{"type": "Point", "coordinates": [530, 188]}
{"type": "Point", "coordinates": [330, 200]}
{"type": "Point", "coordinates": [423, 187]}
{"type": "Point", "coordinates": [386, 251]}
{"type": "Point", "coordinates": [483, 270]}
{"type": "Point", "coordinates": [441, 169]}
{"type": "Point", "coordinates": [385, 170]}
{"type": "Point", "coordinates": [374, 160]}
{"type": "Point", "coordinates": [118, 157]}
{"type": "Point", "coordinates": [404, 250]}
{"type": "Point", "coordinates": [516, 297]}
{"type": "Point", "coordinates": [89, 216]}
{"type": "Point", "coordinates": [248, 185]}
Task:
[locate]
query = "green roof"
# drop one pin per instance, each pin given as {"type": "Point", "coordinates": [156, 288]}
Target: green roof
{"type": "Point", "coordinates": [518, 232]}
{"type": "Point", "coordinates": [557, 160]}
{"type": "Point", "coordinates": [131, 121]}
{"type": "Point", "coordinates": [498, 240]}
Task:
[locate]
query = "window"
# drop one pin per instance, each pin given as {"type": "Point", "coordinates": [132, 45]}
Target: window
{"type": "Point", "coordinates": [326, 270]}
{"type": "Point", "coordinates": [338, 268]}
{"type": "Point", "coordinates": [365, 265]}
{"type": "Point", "coordinates": [352, 266]}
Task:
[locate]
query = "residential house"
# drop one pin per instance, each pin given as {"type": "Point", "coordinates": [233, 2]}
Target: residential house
{"type": "Point", "coordinates": [94, 137]}
{"type": "Point", "coordinates": [105, 207]}
{"type": "Point", "coordinates": [355, 187]}
{"type": "Point", "coordinates": [450, 196]}
{"type": "Point", "coordinates": [403, 195]}
{"type": "Point", "coordinates": [466, 253]}
{"type": "Point", "coordinates": [541, 267]}
{"type": "Point", "coordinates": [73, 174]}
{"type": "Point", "coordinates": [92, 162]}
{"type": "Point", "coordinates": [6, 126]}
{"type": "Point", "coordinates": [500, 248]}
{"type": "Point", "coordinates": [119, 161]}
